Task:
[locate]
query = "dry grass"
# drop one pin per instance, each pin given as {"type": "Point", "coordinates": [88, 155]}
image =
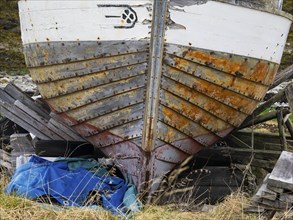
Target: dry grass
{"type": "Point", "coordinates": [12, 207]}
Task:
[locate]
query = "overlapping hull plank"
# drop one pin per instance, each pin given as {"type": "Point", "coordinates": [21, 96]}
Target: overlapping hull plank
{"type": "Point", "coordinates": [152, 82]}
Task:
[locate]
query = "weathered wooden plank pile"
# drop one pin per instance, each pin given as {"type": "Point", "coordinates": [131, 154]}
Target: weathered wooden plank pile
{"type": "Point", "coordinates": [33, 115]}
{"type": "Point", "coordinates": [276, 191]}
{"type": "Point", "coordinates": [35, 118]}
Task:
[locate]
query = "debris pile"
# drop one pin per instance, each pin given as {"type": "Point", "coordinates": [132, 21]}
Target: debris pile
{"type": "Point", "coordinates": [276, 191]}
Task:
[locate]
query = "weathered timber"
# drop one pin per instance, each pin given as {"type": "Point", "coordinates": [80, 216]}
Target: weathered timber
{"type": "Point", "coordinates": [289, 95]}
{"type": "Point", "coordinates": [264, 192]}
{"type": "Point", "coordinates": [266, 105]}
{"type": "Point", "coordinates": [221, 155]}
{"type": "Point", "coordinates": [14, 114]}
{"type": "Point", "coordinates": [5, 160]}
{"type": "Point", "coordinates": [289, 127]}
{"type": "Point", "coordinates": [22, 97]}
{"type": "Point", "coordinates": [33, 116]}
{"type": "Point", "coordinates": [282, 174]}
{"type": "Point", "coordinates": [283, 141]}
{"type": "Point", "coordinates": [263, 118]}
{"type": "Point", "coordinates": [262, 141]}
{"type": "Point", "coordinates": [285, 197]}
{"type": "Point", "coordinates": [21, 144]}
{"type": "Point", "coordinates": [283, 76]}
{"type": "Point", "coordinates": [56, 121]}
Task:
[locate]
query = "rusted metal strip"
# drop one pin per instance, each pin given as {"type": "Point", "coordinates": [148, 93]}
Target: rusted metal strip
{"type": "Point", "coordinates": [154, 74]}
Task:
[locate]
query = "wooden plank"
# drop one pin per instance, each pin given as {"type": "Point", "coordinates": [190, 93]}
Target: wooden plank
{"type": "Point", "coordinates": [283, 141]}
{"type": "Point", "coordinates": [276, 189]}
{"type": "Point", "coordinates": [21, 144]}
{"type": "Point", "coordinates": [289, 95]}
{"type": "Point", "coordinates": [57, 121]}
{"type": "Point", "coordinates": [6, 97]}
{"type": "Point", "coordinates": [288, 198]}
{"type": "Point", "coordinates": [282, 174]}
{"type": "Point", "coordinates": [283, 76]}
{"type": "Point", "coordinates": [14, 114]}
{"type": "Point", "coordinates": [33, 118]}
{"type": "Point", "coordinates": [290, 127]}
{"type": "Point", "coordinates": [264, 192]}
{"type": "Point", "coordinates": [263, 118]}
{"type": "Point", "coordinates": [262, 141]}
{"type": "Point", "coordinates": [61, 133]}
{"type": "Point", "coordinates": [277, 204]}
{"type": "Point", "coordinates": [5, 156]}
{"type": "Point", "coordinates": [17, 94]}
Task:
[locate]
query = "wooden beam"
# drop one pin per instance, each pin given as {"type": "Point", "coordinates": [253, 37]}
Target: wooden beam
{"type": "Point", "coordinates": [289, 126]}
{"type": "Point", "coordinates": [280, 119]}
{"type": "Point", "coordinates": [14, 114]}
{"type": "Point", "coordinates": [289, 96]}
{"type": "Point", "coordinates": [263, 118]}
{"type": "Point", "coordinates": [283, 76]}
{"type": "Point", "coordinates": [33, 116]}
{"type": "Point", "coordinates": [266, 104]}
{"type": "Point", "coordinates": [17, 94]}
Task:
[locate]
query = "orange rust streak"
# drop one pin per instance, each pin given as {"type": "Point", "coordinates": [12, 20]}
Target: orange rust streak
{"type": "Point", "coordinates": [222, 94]}
{"type": "Point", "coordinates": [225, 63]}
{"type": "Point", "coordinates": [211, 105]}
{"type": "Point", "coordinates": [260, 71]}
{"type": "Point", "coordinates": [179, 121]}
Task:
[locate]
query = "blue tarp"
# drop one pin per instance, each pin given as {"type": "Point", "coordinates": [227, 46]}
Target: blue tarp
{"type": "Point", "coordinates": [71, 185]}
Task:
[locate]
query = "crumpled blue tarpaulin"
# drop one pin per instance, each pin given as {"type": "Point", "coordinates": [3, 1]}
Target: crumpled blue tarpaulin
{"type": "Point", "coordinates": [71, 187]}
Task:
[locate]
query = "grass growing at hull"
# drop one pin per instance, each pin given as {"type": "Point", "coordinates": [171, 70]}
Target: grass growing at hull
{"type": "Point", "coordinates": [12, 207]}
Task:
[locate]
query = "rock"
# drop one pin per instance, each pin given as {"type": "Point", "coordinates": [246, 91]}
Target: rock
{"type": "Point", "coordinates": [23, 82]}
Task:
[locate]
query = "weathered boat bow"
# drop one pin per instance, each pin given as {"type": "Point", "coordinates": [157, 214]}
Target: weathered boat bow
{"type": "Point", "coordinates": [152, 82]}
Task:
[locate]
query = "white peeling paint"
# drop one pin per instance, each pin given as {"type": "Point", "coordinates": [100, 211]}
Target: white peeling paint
{"type": "Point", "coordinates": [50, 20]}
{"type": "Point", "coordinates": [233, 29]}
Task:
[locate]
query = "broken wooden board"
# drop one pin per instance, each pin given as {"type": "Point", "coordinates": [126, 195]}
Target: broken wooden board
{"type": "Point", "coordinates": [264, 192]}
{"type": "Point", "coordinates": [282, 174]}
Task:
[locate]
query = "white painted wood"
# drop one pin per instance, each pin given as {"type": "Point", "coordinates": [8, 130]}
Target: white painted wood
{"type": "Point", "coordinates": [228, 28]}
{"type": "Point", "coordinates": [51, 20]}
{"type": "Point", "coordinates": [214, 25]}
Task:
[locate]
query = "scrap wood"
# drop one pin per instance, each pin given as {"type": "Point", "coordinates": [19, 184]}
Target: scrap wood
{"type": "Point", "coordinates": [33, 116]}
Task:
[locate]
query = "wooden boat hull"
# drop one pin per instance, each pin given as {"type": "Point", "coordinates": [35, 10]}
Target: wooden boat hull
{"type": "Point", "coordinates": [152, 91]}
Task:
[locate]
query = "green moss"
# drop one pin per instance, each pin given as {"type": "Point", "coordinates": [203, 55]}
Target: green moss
{"type": "Point", "coordinates": [11, 56]}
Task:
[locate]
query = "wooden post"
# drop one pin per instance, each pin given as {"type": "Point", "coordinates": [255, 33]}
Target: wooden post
{"type": "Point", "coordinates": [289, 95]}
{"type": "Point", "coordinates": [289, 126]}
{"type": "Point", "coordinates": [280, 119]}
